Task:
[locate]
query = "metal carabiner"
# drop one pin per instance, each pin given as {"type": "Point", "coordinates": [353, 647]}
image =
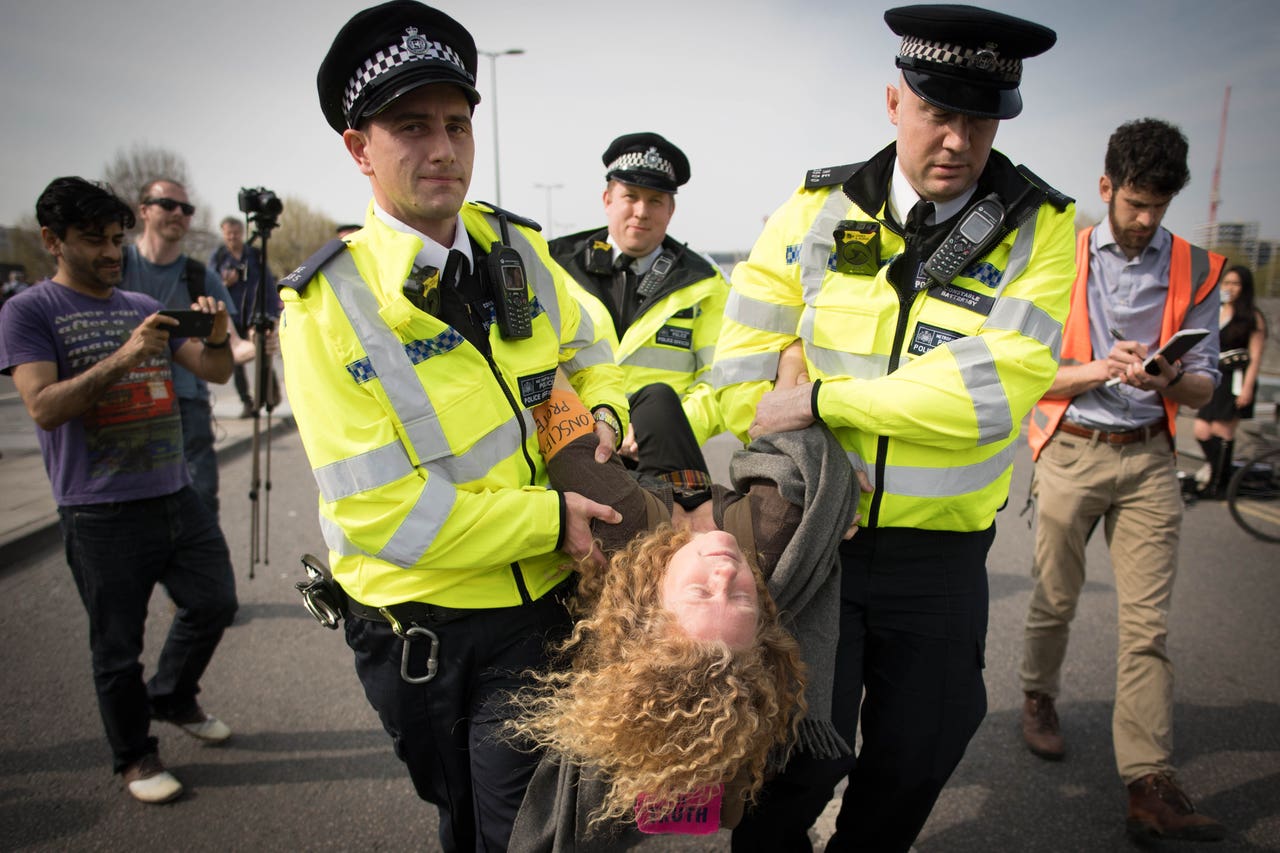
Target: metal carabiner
{"type": "Point", "coordinates": [406, 635]}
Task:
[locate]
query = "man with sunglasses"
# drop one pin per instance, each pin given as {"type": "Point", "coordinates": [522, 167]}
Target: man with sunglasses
{"type": "Point", "coordinates": [156, 265]}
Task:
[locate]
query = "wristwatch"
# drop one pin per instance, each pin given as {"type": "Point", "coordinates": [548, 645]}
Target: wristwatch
{"type": "Point", "coordinates": [604, 415]}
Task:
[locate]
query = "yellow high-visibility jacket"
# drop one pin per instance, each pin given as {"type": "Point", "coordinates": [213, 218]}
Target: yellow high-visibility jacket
{"type": "Point", "coordinates": [431, 485]}
{"type": "Point", "coordinates": [673, 334]}
{"type": "Point", "coordinates": [927, 391]}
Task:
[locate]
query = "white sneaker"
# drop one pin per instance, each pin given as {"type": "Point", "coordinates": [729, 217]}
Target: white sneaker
{"type": "Point", "coordinates": [200, 725]}
{"type": "Point", "coordinates": [148, 781]}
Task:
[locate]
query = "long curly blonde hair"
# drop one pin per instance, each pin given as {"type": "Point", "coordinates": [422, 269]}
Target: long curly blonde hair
{"type": "Point", "coordinates": [650, 709]}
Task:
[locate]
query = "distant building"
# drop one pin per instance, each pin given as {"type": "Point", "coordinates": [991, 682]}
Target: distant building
{"type": "Point", "coordinates": [1240, 237]}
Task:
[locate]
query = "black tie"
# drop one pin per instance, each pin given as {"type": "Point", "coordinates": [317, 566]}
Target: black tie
{"type": "Point", "coordinates": [624, 285]}
{"type": "Point", "coordinates": [919, 216]}
{"type": "Point", "coordinates": [905, 267]}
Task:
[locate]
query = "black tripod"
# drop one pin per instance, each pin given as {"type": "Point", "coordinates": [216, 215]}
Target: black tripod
{"type": "Point", "coordinates": [265, 396]}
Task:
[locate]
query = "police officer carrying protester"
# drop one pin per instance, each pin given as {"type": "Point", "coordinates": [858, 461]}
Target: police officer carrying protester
{"type": "Point", "coordinates": [929, 285]}
{"type": "Point", "coordinates": [662, 302]}
{"type": "Point", "coordinates": [414, 353]}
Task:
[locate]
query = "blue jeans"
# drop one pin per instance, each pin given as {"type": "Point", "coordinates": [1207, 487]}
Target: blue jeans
{"type": "Point", "coordinates": [197, 448]}
{"type": "Point", "coordinates": [118, 552]}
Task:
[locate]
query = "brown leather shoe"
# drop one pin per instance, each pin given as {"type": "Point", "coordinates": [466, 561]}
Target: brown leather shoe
{"type": "Point", "coordinates": [1040, 727]}
{"type": "Point", "coordinates": [1159, 809]}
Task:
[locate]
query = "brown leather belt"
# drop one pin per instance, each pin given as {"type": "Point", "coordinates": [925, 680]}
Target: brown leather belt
{"type": "Point", "coordinates": [1124, 436]}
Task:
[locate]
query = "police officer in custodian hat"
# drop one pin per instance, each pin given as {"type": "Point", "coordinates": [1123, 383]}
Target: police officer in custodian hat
{"type": "Point", "coordinates": [663, 302]}
{"type": "Point", "coordinates": [928, 285]}
{"type": "Point", "coordinates": [415, 350]}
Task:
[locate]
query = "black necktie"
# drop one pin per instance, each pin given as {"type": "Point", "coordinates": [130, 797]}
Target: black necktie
{"type": "Point", "coordinates": [624, 279]}
{"type": "Point", "coordinates": [904, 270]}
{"type": "Point", "coordinates": [919, 216]}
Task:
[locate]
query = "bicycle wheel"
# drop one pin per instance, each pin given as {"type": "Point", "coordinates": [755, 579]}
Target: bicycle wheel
{"type": "Point", "coordinates": [1253, 496]}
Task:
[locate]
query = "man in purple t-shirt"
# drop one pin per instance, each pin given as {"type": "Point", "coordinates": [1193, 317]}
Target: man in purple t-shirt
{"type": "Point", "coordinates": [93, 364]}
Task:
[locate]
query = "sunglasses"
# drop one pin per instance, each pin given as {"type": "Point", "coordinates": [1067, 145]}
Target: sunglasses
{"type": "Point", "coordinates": [171, 205]}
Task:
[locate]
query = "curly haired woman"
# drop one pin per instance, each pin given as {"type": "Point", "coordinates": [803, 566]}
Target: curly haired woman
{"type": "Point", "coordinates": [681, 681]}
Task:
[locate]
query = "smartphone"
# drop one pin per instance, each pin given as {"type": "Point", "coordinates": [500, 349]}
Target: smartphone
{"type": "Point", "coordinates": [191, 324]}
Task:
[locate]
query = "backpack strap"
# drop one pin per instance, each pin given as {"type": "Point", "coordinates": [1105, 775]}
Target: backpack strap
{"type": "Point", "coordinates": [193, 275]}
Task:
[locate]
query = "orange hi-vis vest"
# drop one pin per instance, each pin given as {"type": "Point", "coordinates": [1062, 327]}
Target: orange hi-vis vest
{"type": "Point", "coordinates": [1193, 272]}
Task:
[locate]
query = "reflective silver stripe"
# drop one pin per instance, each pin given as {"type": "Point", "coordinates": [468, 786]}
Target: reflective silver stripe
{"type": "Point", "coordinates": [386, 353]}
{"type": "Point", "coordinates": [819, 243]}
{"type": "Point", "coordinates": [1020, 254]}
{"type": "Point", "coordinates": [705, 356]}
{"type": "Point", "coordinates": [492, 448]}
{"type": "Point", "coordinates": [1199, 269]}
{"type": "Point", "coordinates": [765, 316]}
{"type": "Point", "coordinates": [419, 528]}
{"type": "Point", "coordinates": [744, 368]}
{"type": "Point", "coordinates": [357, 474]}
{"type": "Point", "coordinates": [831, 362]}
{"type": "Point", "coordinates": [336, 538]}
{"type": "Point", "coordinates": [1039, 418]}
{"type": "Point", "coordinates": [1026, 318]}
{"type": "Point", "coordinates": [917, 482]}
{"type": "Point", "coordinates": [600, 352]}
{"type": "Point", "coordinates": [676, 361]}
{"type": "Point", "coordinates": [982, 381]}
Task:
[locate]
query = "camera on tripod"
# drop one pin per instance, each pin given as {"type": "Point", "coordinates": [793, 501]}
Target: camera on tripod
{"type": "Point", "coordinates": [261, 205]}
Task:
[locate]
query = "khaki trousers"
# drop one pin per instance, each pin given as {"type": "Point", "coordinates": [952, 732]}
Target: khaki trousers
{"type": "Point", "coordinates": [1133, 490]}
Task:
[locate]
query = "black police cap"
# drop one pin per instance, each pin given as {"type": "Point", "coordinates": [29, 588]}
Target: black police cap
{"type": "Point", "coordinates": [387, 51]}
{"type": "Point", "coordinates": [646, 160]}
{"type": "Point", "coordinates": [965, 59]}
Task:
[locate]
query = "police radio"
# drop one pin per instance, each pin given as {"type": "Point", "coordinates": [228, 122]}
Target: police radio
{"type": "Point", "coordinates": [972, 236]}
{"type": "Point", "coordinates": [511, 295]}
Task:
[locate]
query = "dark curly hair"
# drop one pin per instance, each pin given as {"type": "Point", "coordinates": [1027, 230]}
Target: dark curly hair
{"type": "Point", "coordinates": [1148, 154]}
{"type": "Point", "coordinates": [77, 203]}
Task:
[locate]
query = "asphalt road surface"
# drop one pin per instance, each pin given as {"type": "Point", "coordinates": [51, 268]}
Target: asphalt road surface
{"type": "Point", "coordinates": [309, 767]}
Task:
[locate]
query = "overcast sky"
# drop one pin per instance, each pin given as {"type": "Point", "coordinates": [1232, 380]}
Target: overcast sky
{"type": "Point", "coordinates": [755, 91]}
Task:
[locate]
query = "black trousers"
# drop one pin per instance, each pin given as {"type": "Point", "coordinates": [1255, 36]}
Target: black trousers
{"type": "Point", "coordinates": [663, 435]}
{"type": "Point", "coordinates": [448, 732]}
{"type": "Point", "coordinates": [913, 625]}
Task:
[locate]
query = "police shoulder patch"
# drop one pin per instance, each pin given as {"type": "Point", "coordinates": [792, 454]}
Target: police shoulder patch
{"type": "Point", "coordinates": [829, 176]}
{"type": "Point", "coordinates": [511, 217]}
{"type": "Point", "coordinates": [298, 279]}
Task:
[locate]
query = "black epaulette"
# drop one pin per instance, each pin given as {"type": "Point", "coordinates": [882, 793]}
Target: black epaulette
{"type": "Point", "coordinates": [298, 278]}
{"type": "Point", "coordinates": [830, 176]}
{"type": "Point", "coordinates": [511, 217]}
{"type": "Point", "coordinates": [1055, 198]}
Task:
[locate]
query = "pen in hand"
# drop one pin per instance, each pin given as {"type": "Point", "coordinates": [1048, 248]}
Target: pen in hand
{"type": "Point", "coordinates": [1119, 336]}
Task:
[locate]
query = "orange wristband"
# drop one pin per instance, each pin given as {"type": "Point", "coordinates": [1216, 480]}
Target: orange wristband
{"type": "Point", "coordinates": [560, 420]}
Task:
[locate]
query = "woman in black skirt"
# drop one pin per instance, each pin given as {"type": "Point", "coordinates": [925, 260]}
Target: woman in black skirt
{"type": "Point", "coordinates": [1243, 331]}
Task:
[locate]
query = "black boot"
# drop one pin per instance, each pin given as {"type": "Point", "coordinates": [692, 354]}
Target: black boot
{"type": "Point", "coordinates": [1225, 470]}
{"type": "Point", "coordinates": [1212, 449]}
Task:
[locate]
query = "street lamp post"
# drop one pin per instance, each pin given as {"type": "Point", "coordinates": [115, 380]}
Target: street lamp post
{"type": "Point", "coordinates": [493, 94]}
{"type": "Point", "coordinates": [549, 188]}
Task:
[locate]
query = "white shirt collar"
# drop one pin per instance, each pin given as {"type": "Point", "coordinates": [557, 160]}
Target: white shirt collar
{"type": "Point", "coordinates": [432, 254]}
{"type": "Point", "coordinates": [903, 197]}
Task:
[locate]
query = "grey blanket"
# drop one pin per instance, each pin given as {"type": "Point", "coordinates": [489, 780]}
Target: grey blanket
{"type": "Point", "coordinates": [811, 470]}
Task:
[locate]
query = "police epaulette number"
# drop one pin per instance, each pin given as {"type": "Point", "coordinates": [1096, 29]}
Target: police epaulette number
{"type": "Point", "coordinates": [829, 176]}
{"type": "Point", "coordinates": [298, 278]}
{"type": "Point", "coordinates": [511, 217]}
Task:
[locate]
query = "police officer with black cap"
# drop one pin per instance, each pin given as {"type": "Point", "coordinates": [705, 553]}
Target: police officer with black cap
{"type": "Point", "coordinates": [663, 304]}
{"type": "Point", "coordinates": [928, 285]}
{"type": "Point", "coordinates": [415, 351]}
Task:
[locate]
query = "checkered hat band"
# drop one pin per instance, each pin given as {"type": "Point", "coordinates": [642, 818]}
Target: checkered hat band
{"type": "Point", "coordinates": [393, 57]}
{"type": "Point", "coordinates": [643, 160]}
{"type": "Point", "coordinates": [966, 58]}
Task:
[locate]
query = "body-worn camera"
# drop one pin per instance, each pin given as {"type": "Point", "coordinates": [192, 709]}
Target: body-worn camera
{"type": "Point", "coordinates": [260, 203]}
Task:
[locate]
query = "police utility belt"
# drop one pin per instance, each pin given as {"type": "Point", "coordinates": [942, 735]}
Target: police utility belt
{"type": "Point", "coordinates": [328, 602]}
